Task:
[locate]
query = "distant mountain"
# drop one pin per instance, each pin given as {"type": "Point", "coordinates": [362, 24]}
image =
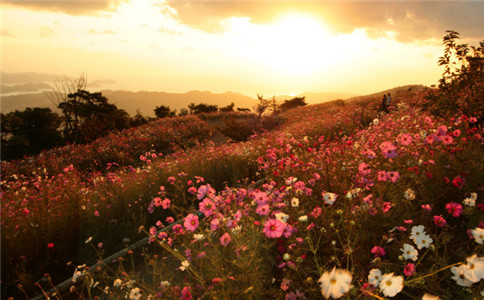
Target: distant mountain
{"type": "Point", "coordinates": [26, 87]}
{"type": "Point", "coordinates": [146, 102]}
{"type": "Point", "coordinates": [314, 98]}
{"type": "Point", "coordinates": [28, 77]}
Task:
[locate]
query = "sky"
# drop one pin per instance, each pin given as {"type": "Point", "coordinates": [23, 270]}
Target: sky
{"type": "Point", "coordinates": [251, 47]}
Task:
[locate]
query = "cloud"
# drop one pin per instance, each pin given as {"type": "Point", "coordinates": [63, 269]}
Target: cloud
{"type": "Point", "coordinates": [46, 32]}
{"type": "Point", "coordinates": [410, 20]}
{"type": "Point", "coordinates": [6, 33]}
{"type": "Point", "coordinates": [107, 31]}
{"type": "Point", "coordinates": [71, 7]}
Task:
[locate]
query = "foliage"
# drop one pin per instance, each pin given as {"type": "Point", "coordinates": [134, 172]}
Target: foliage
{"type": "Point", "coordinates": [293, 103]}
{"type": "Point", "coordinates": [461, 88]}
{"type": "Point", "coordinates": [202, 108]}
{"type": "Point", "coordinates": [29, 132]}
{"type": "Point", "coordinates": [265, 105]}
{"type": "Point", "coordinates": [228, 108]}
{"type": "Point", "coordinates": [163, 111]}
{"type": "Point", "coordinates": [90, 116]}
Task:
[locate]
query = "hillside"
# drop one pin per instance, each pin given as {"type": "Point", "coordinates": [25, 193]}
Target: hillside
{"type": "Point", "coordinates": [338, 189]}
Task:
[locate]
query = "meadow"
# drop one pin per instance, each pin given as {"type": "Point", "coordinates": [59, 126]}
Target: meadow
{"type": "Point", "coordinates": [340, 200]}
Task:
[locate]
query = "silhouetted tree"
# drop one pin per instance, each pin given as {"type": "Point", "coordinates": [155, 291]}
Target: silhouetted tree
{"type": "Point", "coordinates": [202, 108]}
{"type": "Point", "coordinates": [265, 105]}
{"type": "Point", "coordinates": [228, 107]}
{"type": "Point", "coordinates": [293, 103]}
{"type": "Point", "coordinates": [138, 119]}
{"type": "Point", "coordinates": [183, 112]}
{"type": "Point", "coordinates": [91, 116]}
{"type": "Point", "coordinates": [461, 88]}
{"type": "Point", "coordinates": [29, 132]}
{"type": "Point", "coordinates": [164, 111]}
{"type": "Point", "coordinates": [61, 90]}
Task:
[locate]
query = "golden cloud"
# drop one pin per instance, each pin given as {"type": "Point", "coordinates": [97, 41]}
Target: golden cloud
{"type": "Point", "coordinates": [411, 21]}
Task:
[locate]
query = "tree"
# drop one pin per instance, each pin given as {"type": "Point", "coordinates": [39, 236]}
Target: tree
{"type": "Point", "coordinates": [164, 111]}
{"type": "Point", "coordinates": [265, 105]}
{"type": "Point", "coordinates": [228, 108]}
{"type": "Point", "coordinates": [202, 108]}
{"type": "Point", "coordinates": [29, 132]}
{"type": "Point", "coordinates": [293, 103]}
{"type": "Point", "coordinates": [91, 116]}
{"type": "Point", "coordinates": [138, 119]}
{"type": "Point", "coordinates": [60, 93]}
{"type": "Point", "coordinates": [461, 88]}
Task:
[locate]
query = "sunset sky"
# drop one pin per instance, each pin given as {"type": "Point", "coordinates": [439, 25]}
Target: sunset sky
{"type": "Point", "coordinates": [265, 47]}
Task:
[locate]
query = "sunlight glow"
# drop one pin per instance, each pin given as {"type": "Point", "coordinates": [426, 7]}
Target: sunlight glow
{"type": "Point", "coordinates": [294, 44]}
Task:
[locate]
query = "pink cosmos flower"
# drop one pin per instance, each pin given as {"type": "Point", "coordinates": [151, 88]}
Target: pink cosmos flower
{"type": "Point", "coordinates": [186, 294]}
{"type": "Point", "coordinates": [204, 190]}
{"type": "Point", "coordinates": [426, 207]}
{"type": "Point", "coordinates": [171, 179]}
{"type": "Point", "coordinates": [447, 140]}
{"type": "Point", "coordinates": [458, 182]}
{"type": "Point", "coordinates": [170, 220]}
{"type": "Point", "coordinates": [285, 284]}
{"type": "Point", "coordinates": [382, 176]}
{"type": "Point", "coordinates": [409, 269]}
{"type": "Point", "coordinates": [405, 139]}
{"type": "Point", "coordinates": [378, 251]}
{"type": "Point", "coordinates": [388, 149]}
{"type": "Point", "coordinates": [393, 176]}
{"type": "Point", "coordinates": [191, 222]}
{"type": "Point", "coordinates": [454, 209]}
{"type": "Point", "coordinates": [166, 203]}
{"type": "Point", "coordinates": [273, 228]}
{"type": "Point", "coordinates": [386, 207]}
{"type": "Point", "coordinates": [440, 221]}
{"type": "Point", "coordinates": [157, 201]}
{"type": "Point", "coordinates": [263, 210]}
{"type": "Point", "coordinates": [215, 224]}
{"type": "Point", "coordinates": [207, 207]}
{"type": "Point", "coordinates": [178, 229]}
{"type": "Point", "coordinates": [225, 239]}
{"type": "Point", "coordinates": [364, 169]}
{"type": "Point", "coordinates": [192, 190]}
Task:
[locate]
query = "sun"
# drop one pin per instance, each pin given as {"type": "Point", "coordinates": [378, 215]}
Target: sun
{"type": "Point", "coordinates": [293, 44]}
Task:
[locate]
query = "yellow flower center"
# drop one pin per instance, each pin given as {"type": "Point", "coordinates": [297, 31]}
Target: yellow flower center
{"type": "Point", "coordinates": [471, 266]}
{"type": "Point", "coordinates": [332, 281]}
{"type": "Point", "coordinates": [389, 283]}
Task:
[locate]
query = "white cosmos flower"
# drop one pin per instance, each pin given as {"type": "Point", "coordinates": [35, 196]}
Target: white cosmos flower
{"type": "Point", "coordinates": [430, 297]}
{"type": "Point", "coordinates": [416, 231]}
{"type": "Point", "coordinates": [423, 241]}
{"type": "Point", "coordinates": [294, 202]}
{"type": "Point", "coordinates": [459, 276]}
{"type": "Point", "coordinates": [282, 217]}
{"type": "Point", "coordinates": [475, 268]}
{"type": "Point", "coordinates": [469, 202]}
{"type": "Point", "coordinates": [478, 234]}
{"type": "Point", "coordinates": [303, 218]}
{"type": "Point", "coordinates": [330, 198]}
{"type": "Point", "coordinates": [184, 265]}
{"type": "Point", "coordinates": [198, 236]}
{"type": "Point", "coordinates": [374, 277]}
{"type": "Point", "coordinates": [391, 285]}
{"type": "Point", "coordinates": [409, 194]}
{"type": "Point", "coordinates": [335, 283]}
{"type": "Point", "coordinates": [409, 252]}
{"type": "Point", "coordinates": [135, 294]}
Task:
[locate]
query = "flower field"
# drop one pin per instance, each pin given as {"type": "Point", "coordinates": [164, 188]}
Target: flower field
{"type": "Point", "coordinates": [340, 201]}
